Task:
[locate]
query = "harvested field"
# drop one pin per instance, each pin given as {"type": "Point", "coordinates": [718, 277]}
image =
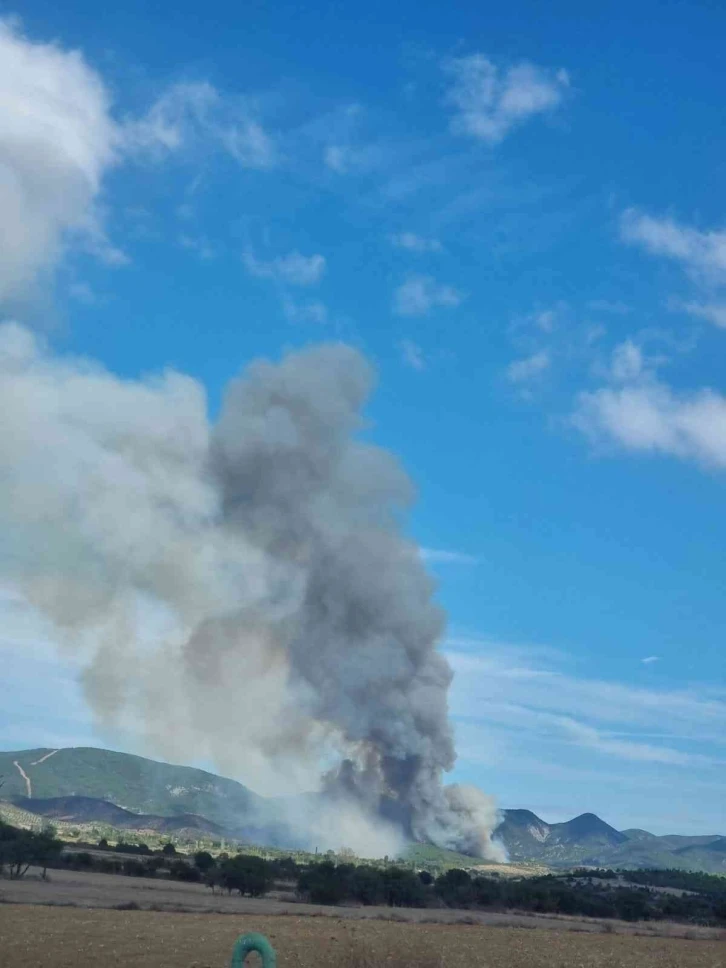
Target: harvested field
{"type": "Point", "coordinates": [53, 937]}
{"type": "Point", "coordinates": [91, 890]}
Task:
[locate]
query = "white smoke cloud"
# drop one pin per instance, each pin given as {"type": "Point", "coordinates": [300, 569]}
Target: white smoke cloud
{"type": "Point", "coordinates": [241, 592]}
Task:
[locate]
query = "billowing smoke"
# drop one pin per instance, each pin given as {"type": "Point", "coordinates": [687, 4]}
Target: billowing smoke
{"type": "Point", "coordinates": [241, 592]}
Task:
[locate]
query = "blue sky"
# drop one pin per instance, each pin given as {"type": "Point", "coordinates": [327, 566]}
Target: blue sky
{"type": "Point", "coordinates": [520, 217]}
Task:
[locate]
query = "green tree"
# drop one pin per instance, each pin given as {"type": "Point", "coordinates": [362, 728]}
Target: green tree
{"type": "Point", "coordinates": [203, 861]}
{"type": "Point", "coordinates": [247, 874]}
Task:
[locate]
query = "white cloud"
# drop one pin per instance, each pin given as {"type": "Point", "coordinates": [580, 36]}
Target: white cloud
{"type": "Point", "coordinates": [346, 159]}
{"type": "Point", "coordinates": [650, 659]}
{"type": "Point", "coordinates": [198, 244]}
{"type": "Point", "coordinates": [57, 140]}
{"type": "Point", "coordinates": [652, 417]}
{"type": "Point", "coordinates": [420, 294]}
{"type": "Point", "coordinates": [587, 736]}
{"type": "Point", "coordinates": [529, 367]}
{"type": "Point", "coordinates": [526, 692]}
{"type": "Point", "coordinates": [412, 354]}
{"type": "Point", "coordinates": [702, 253]}
{"type": "Point", "coordinates": [641, 413]}
{"type": "Point", "coordinates": [627, 362]}
{"type": "Point", "coordinates": [713, 312]}
{"type": "Point", "coordinates": [415, 243]}
{"type": "Point", "coordinates": [546, 321]}
{"type": "Point", "coordinates": [490, 101]}
{"type": "Point", "coordinates": [337, 158]}
{"type": "Point", "coordinates": [294, 268]}
{"type": "Point", "coordinates": [194, 115]}
{"type": "Point", "coordinates": [310, 312]}
{"type": "Point", "coordinates": [249, 144]}
{"type": "Point", "coordinates": [82, 292]}
{"type": "Point", "coordinates": [441, 556]}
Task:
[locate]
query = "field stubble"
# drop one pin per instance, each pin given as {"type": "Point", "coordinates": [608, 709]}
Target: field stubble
{"type": "Point", "coordinates": [55, 937]}
{"type": "Point", "coordinates": [77, 921]}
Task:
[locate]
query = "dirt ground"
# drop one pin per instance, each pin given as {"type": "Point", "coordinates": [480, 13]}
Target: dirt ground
{"type": "Point", "coordinates": [55, 937]}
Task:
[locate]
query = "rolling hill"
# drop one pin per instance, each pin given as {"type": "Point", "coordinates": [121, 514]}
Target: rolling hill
{"type": "Point", "coordinates": [88, 810]}
{"type": "Point", "coordinates": [134, 783]}
{"type": "Point", "coordinates": [87, 785]}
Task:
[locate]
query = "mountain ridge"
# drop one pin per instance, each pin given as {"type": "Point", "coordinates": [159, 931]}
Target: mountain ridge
{"type": "Point", "coordinates": [87, 784]}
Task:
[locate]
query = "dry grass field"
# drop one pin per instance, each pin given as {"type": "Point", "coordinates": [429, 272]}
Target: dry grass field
{"type": "Point", "coordinates": [55, 937]}
{"type": "Point", "coordinates": [91, 890]}
{"type": "Point", "coordinates": [115, 891]}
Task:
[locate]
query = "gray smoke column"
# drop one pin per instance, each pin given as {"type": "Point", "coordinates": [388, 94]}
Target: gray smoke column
{"type": "Point", "coordinates": [242, 591]}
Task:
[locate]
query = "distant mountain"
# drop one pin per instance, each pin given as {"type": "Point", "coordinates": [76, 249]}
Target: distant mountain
{"type": "Point", "coordinates": [589, 841]}
{"type": "Point", "coordinates": [86, 785]}
{"type": "Point", "coordinates": [527, 837]}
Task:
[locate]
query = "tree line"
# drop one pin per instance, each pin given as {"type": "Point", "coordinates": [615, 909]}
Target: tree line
{"type": "Point", "coordinates": [595, 894]}
{"type": "Point", "coordinates": [590, 893]}
{"type": "Point", "coordinates": [21, 849]}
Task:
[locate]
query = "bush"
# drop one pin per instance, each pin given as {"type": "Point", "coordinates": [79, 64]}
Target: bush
{"type": "Point", "coordinates": [136, 868]}
{"type": "Point", "coordinates": [367, 886]}
{"type": "Point", "coordinates": [247, 874]}
{"type": "Point", "coordinates": [324, 883]}
{"type": "Point", "coordinates": [403, 888]}
{"type": "Point", "coordinates": [80, 861]}
{"type": "Point", "coordinates": [203, 861]}
{"type": "Point", "coordinates": [181, 871]}
{"type": "Point", "coordinates": [455, 888]}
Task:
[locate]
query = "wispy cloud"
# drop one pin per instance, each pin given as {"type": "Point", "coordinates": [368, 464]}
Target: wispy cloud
{"type": "Point", "coordinates": [293, 269]}
{"type": "Point", "coordinates": [418, 295]}
{"type": "Point", "coordinates": [700, 252]}
{"type": "Point", "coordinates": [306, 312]}
{"type": "Point", "coordinates": [412, 354]}
{"type": "Point", "coordinates": [346, 159]}
{"type": "Point", "coordinates": [195, 115]}
{"type": "Point", "coordinates": [198, 244]}
{"type": "Point", "coordinates": [82, 293]}
{"type": "Point", "coordinates": [529, 693]}
{"type": "Point", "coordinates": [441, 556]}
{"type": "Point", "coordinates": [713, 312]}
{"type": "Point", "coordinates": [627, 362]}
{"type": "Point", "coordinates": [490, 101]}
{"type": "Point", "coordinates": [650, 659]}
{"type": "Point", "coordinates": [529, 367]}
{"type": "Point", "coordinates": [415, 243]}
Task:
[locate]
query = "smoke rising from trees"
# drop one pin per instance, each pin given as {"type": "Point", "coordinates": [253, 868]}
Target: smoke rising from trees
{"type": "Point", "coordinates": [241, 592]}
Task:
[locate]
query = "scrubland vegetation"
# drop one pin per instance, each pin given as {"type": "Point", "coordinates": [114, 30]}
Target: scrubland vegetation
{"type": "Point", "coordinates": [630, 896]}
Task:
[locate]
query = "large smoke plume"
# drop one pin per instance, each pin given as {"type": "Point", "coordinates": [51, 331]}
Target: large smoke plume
{"type": "Point", "coordinates": [240, 592]}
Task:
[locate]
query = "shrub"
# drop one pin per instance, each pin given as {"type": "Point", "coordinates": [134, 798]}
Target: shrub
{"type": "Point", "coordinates": [247, 874]}
{"type": "Point", "coordinates": [203, 861]}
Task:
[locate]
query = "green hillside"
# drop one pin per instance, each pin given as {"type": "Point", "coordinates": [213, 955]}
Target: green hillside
{"type": "Point", "coordinates": [133, 782]}
{"type": "Point", "coordinates": [144, 786]}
